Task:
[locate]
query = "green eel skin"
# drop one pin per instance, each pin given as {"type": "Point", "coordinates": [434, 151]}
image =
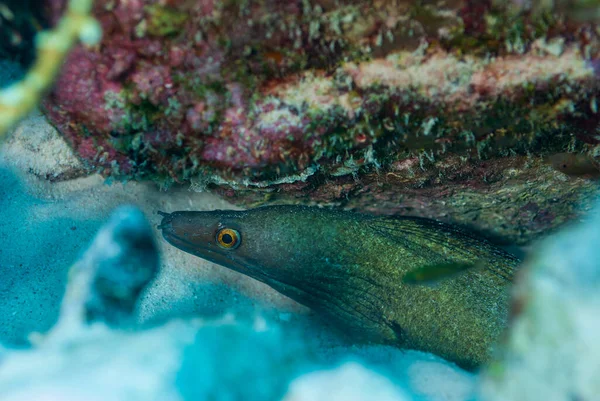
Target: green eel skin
{"type": "Point", "coordinates": [349, 267]}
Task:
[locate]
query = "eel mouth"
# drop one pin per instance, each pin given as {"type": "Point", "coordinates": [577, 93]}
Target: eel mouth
{"type": "Point", "coordinates": [168, 233]}
{"type": "Point", "coordinates": [195, 248]}
{"type": "Point", "coordinates": [167, 218]}
{"type": "Point", "coordinates": [203, 247]}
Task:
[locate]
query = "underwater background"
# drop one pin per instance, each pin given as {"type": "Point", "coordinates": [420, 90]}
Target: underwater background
{"type": "Point", "coordinates": [479, 114]}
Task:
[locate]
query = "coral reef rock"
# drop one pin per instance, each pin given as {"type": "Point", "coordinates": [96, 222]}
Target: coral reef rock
{"type": "Point", "coordinates": [552, 351]}
{"type": "Point", "coordinates": [427, 108]}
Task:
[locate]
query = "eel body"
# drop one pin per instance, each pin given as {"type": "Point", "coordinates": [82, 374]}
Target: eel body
{"type": "Point", "coordinates": [352, 268]}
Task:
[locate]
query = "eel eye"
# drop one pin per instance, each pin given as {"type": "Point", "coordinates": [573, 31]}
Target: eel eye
{"type": "Point", "coordinates": [228, 238]}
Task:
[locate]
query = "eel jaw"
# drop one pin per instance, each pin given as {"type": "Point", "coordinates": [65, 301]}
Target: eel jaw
{"type": "Point", "coordinates": [166, 221]}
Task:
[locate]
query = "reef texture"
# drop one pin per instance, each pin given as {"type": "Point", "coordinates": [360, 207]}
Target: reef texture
{"type": "Point", "coordinates": [480, 112]}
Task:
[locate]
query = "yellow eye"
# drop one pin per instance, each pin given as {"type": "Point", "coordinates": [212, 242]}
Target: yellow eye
{"type": "Point", "coordinates": [228, 238]}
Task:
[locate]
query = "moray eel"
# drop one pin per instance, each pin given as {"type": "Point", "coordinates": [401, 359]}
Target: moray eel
{"type": "Point", "coordinates": [353, 269]}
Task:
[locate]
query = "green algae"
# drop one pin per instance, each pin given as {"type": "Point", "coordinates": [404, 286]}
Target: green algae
{"type": "Point", "coordinates": [164, 21]}
{"type": "Point", "coordinates": [505, 31]}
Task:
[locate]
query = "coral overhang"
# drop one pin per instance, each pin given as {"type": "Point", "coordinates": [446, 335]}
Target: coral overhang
{"type": "Point", "coordinates": [333, 95]}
